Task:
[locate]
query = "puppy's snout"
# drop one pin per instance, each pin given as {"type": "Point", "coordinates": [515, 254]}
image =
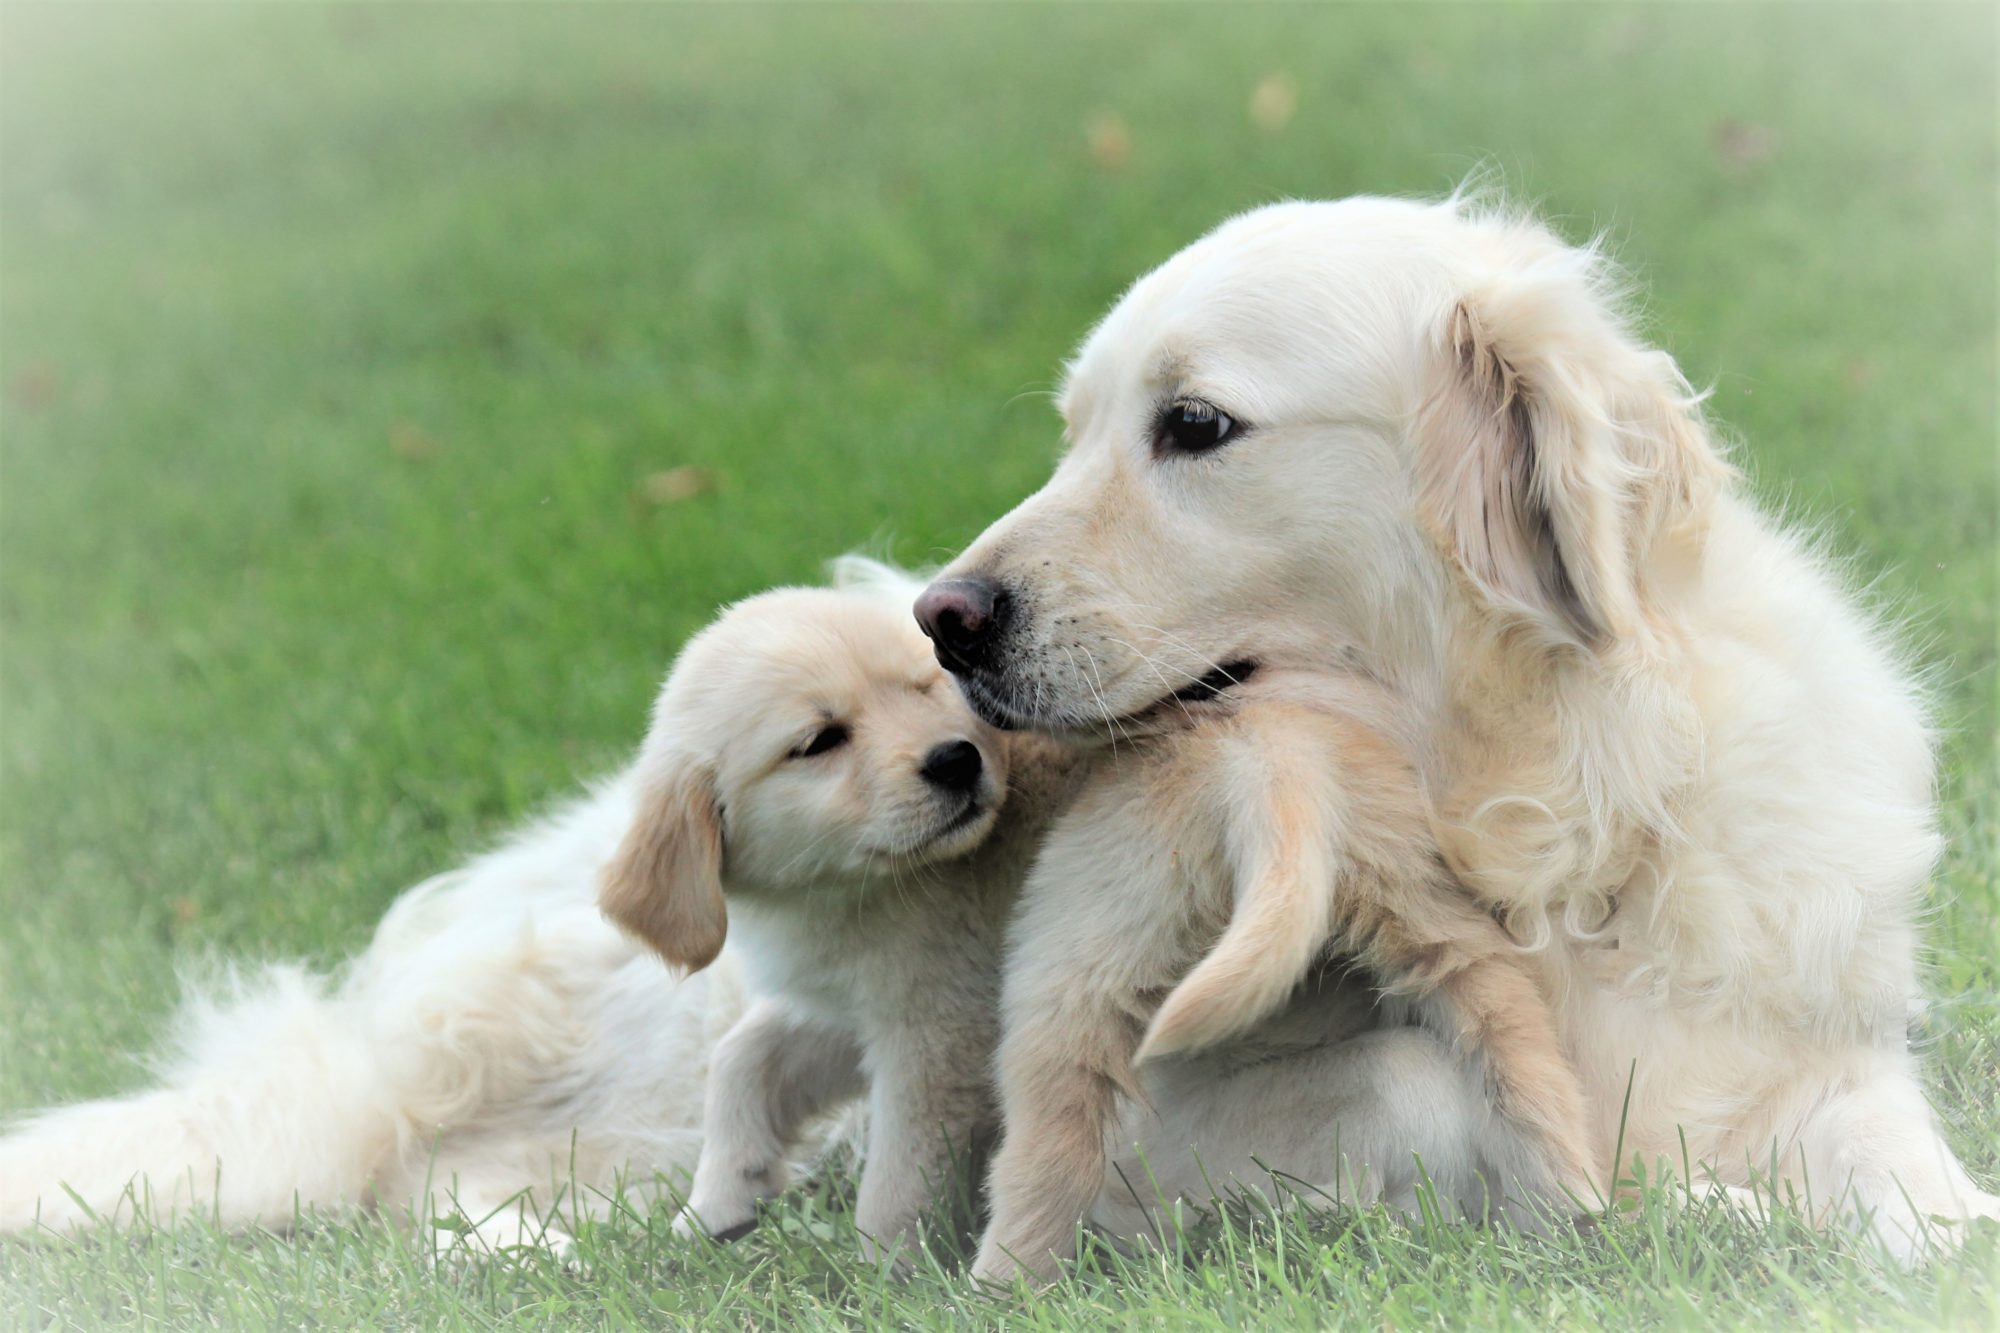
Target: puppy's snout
{"type": "Point", "coordinates": [963, 618]}
{"type": "Point", "coordinates": [953, 766]}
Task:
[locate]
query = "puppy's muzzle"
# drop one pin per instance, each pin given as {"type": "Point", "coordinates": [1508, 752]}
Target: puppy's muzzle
{"type": "Point", "coordinates": [964, 619]}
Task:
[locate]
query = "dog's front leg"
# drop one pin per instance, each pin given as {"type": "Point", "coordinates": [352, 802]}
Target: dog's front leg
{"type": "Point", "coordinates": [1060, 1079]}
{"type": "Point", "coordinates": [927, 1100]}
{"type": "Point", "coordinates": [774, 1071]}
{"type": "Point", "coordinates": [1072, 1013]}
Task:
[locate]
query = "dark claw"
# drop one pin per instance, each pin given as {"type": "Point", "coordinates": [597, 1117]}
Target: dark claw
{"type": "Point", "coordinates": [737, 1232]}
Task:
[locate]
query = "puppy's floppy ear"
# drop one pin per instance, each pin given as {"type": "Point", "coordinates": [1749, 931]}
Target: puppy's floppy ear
{"type": "Point", "coordinates": [1554, 448]}
{"type": "Point", "coordinates": [664, 886]}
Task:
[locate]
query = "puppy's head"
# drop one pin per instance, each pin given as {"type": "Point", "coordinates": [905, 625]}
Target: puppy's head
{"type": "Point", "coordinates": [1321, 434]}
{"type": "Point", "coordinates": [805, 742]}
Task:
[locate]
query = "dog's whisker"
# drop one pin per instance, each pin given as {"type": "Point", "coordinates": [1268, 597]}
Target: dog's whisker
{"type": "Point", "coordinates": [1102, 704]}
{"type": "Point", "coordinates": [814, 845]}
{"type": "Point", "coordinates": [1103, 707]}
{"type": "Point", "coordinates": [1185, 647]}
{"type": "Point", "coordinates": [1173, 695]}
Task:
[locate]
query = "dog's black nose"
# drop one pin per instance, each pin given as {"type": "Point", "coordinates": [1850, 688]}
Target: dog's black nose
{"type": "Point", "coordinates": [963, 618]}
{"type": "Point", "coordinates": [953, 766]}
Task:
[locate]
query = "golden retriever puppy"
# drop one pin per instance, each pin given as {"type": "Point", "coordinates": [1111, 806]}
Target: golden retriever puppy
{"type": "Point", "coordinates": [503, 1051]}
{"type": "Point", "coordinates": [1655, 732]}
{"type": "Point", "coordinates": [812, 778]}
{"type": "Point", "coordinates": [1273, 824]}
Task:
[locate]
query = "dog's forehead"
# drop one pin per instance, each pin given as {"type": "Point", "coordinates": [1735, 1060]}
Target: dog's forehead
{"type": "Point", "coordinates": [836, 650]}
{"type": "Point", "coordinates": [795, 648]}
{"type": "Point", "coordinates": [1300, 299]}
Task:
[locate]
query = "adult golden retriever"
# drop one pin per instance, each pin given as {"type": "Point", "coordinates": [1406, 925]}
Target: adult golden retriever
{"type": "Point", "coordinates": [1422, 442]}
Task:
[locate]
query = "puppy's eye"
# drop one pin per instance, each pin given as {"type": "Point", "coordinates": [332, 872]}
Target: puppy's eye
{"type": "Point", "coordinates": [1191, 426]}
{"type": "Point", "coordinates": [830, 737]}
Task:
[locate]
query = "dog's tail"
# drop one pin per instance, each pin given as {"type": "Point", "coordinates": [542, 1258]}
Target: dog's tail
{"type": "Point", "coordinates": [274, 1074]}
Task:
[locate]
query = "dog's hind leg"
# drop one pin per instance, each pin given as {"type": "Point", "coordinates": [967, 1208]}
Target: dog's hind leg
{"type": "Point", "coordinates": [1498, 1013]}
{"type": "Point", "coordinates": [1870, 1151]}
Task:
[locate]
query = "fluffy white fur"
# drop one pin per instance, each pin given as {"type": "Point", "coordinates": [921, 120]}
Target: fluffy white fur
{"type": "Point", "coordinates": [502, 1047]}
{"type": "Point", "coordinates": [796, 787]}
{"type": "Point", "coordinates": [499, 1052]}
{"type": "Point", "coordinates": [503, 1051]}
{"type": "Point", "coordinates": [1206, 868]}
{"type": "Point", "coordinates": [1655, 733]}
{"type": "Point", "coordinates": [1658, 736]}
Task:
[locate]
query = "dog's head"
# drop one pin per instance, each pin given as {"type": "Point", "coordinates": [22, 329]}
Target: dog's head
{"type": "Point", "coordinates": [1322, 435]}
{"type": "Point", "coordinates": [804, 742]}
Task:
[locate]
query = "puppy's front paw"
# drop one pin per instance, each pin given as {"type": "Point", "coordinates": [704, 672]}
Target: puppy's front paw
{"type": "Point", "coordinates": [899, 1252]}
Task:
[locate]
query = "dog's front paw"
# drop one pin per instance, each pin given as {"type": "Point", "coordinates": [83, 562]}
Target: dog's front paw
{"type": "Point", "coordinates": [720, 1223]}
{"type": "Point", "coordinates": [994, 1267]}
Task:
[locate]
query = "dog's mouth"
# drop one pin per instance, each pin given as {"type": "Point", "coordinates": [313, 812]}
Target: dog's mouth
{"type": "Point", "coordinates": [997, 709]}
{"type": "Point", "coordinates": [959, 833]}
{"type": "Point", "coordinates": [1183, 704]}
{"type": "Point", "coordinates": [965, 818]}
{"type": "Point", "coordinates": [990, 706]}
{"type": "Point", "coordinates": [1209, 686]}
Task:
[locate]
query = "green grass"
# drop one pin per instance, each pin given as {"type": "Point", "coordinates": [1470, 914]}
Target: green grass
{"type": "Point", "coordinates": [336, 348]}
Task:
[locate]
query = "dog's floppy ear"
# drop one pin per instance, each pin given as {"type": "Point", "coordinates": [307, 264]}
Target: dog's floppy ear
{"type": "Point", "coordinates": [1554, 448]}
{"type": "Point", "coordinates": [1521, 535]}
{"type": "Point", "coordinates": [664, 886]}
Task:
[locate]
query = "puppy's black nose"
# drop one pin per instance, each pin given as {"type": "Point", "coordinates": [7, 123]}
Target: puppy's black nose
{"type": "Point", "coordinates": [963, 618]}
{"type": "Point", "coordinates": [953, 766]}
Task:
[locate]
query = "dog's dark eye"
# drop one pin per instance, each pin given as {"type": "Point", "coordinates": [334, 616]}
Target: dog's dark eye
{"type": "Point", "coordinates": [1191, 426]}
{"type": "Point", "coordinates": [830, 737]}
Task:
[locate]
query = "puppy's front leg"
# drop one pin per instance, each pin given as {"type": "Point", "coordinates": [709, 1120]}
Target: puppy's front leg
{"type": "Point", "coordinates": [774, 1071]}
{"type": "Point", "coordinates": [927, 1100]}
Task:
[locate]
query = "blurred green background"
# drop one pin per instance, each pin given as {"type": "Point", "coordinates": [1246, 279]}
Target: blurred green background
{"type": "Point", "coordinates": [387, 391]}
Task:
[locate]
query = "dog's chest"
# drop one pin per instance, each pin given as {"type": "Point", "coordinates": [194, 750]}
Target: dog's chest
{"type": "Point", "coordinates": [810, 958]}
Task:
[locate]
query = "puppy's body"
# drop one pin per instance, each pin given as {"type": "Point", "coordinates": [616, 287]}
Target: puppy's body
{"type": "Point", "coordinates": [1254, 834]}
{"type": "Point", "coordinates": [814, 779]}
{"type": "Point", "coordinates": [883, 989]}
{"type": "Point", "coordinates": [499, 1051]}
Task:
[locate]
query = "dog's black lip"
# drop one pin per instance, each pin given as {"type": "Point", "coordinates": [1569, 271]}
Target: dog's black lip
{"type": "Point", "coordinates": [1214, 683]}
{"type": "Point", "coordinates": [983, 700]}
{"type": "Point", "coordinates": [979, 698]}
{"type": "Point", "coordinates": [972, 811]}
{"type": "Point", "coordinates": [965, 818]}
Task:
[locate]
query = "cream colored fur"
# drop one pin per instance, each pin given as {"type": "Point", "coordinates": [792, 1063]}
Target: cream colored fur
{"type": "Point", "coordinates": [503, 1051]}
{"type": "Point", "coordinates": [871, 901]}
{"type": "Point", "coordinates": [1250, 837]}
{"type": "Point", "coordinates": [499, 1054]}
{"type": "Point", "coordinates": [1657, 735]}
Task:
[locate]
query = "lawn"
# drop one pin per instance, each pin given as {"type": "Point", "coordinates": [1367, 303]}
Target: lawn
{"type": "Point", "coordinates": [342, 353]}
